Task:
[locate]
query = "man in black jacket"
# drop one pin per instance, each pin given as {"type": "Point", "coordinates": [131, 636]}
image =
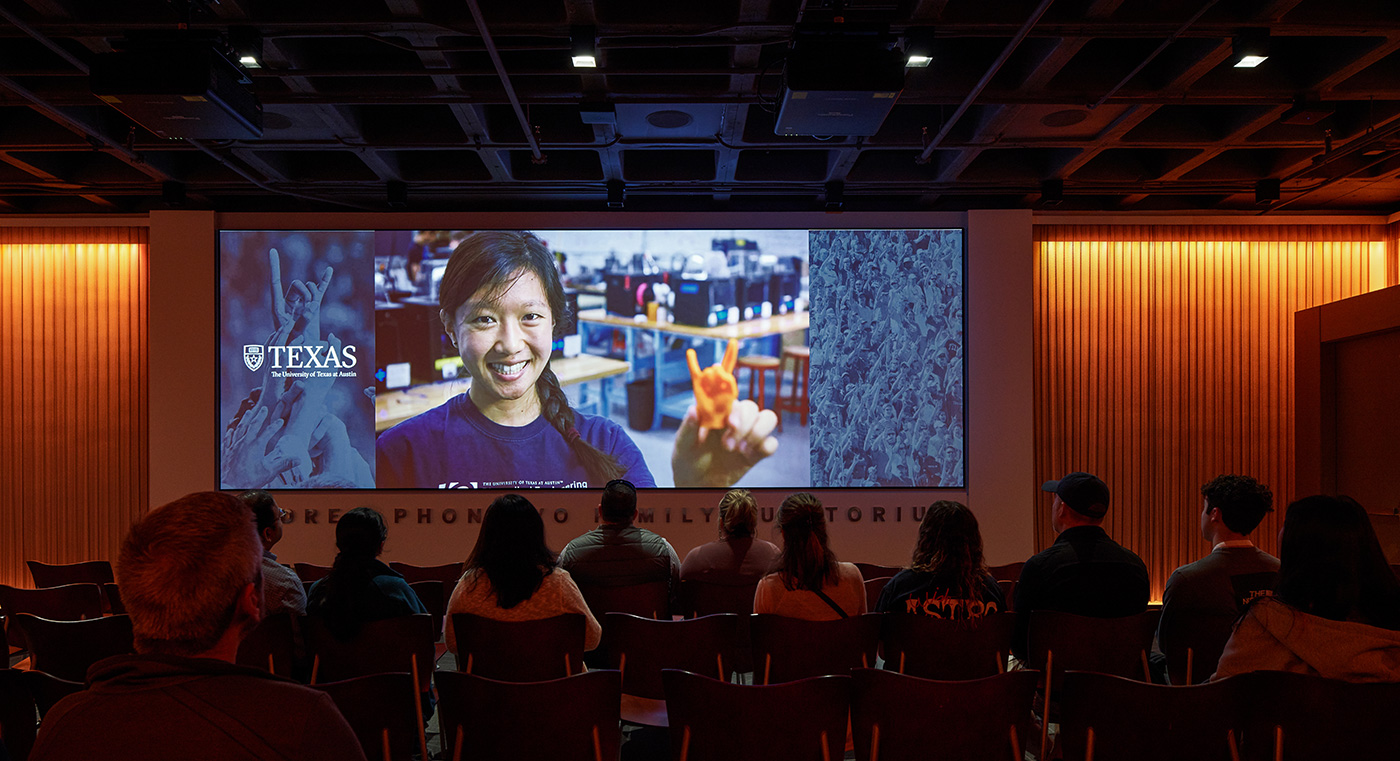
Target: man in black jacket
{"type": "Point", "coordinates": [1084, 572]}
{"type": "Point", "coordinates": [190, 578]}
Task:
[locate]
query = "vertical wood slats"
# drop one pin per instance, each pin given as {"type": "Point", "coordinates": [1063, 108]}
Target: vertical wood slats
{"type": "Point", "coordinates": [1164, 357]}
{"type": "Point", "coordinates": [73, 397]}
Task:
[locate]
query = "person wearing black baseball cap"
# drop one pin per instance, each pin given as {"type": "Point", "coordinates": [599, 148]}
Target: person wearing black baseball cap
{"type": "Point", "coordinates": [1084, 572]}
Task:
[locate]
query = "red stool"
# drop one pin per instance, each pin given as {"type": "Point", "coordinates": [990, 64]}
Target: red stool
{"type": "Point", "coordinates": [758, 365]}
{"type": "Point", "coordinates": [797, 401]}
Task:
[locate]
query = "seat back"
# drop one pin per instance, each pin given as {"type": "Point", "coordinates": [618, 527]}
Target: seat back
{"type": "Point", "coordinates": [1008, 592]}
{"type": "Point", "coordinates": [649, 600]}
{"type": "Point", "coordinates": [520, 651]}
{"type": "Point", "coordinates": [1124, 719]}
{"type": "Point", "coordinates": [1193, 640]}
{"type": "Point", "coordinates": [70, 602]}
{"type": "Point", "coordinates": [270, 646]}
{"type": "Point", "coordinates": [712, 720]}
{"type": "Point", "coordinates": [937, 648]}
{"type": "Point", "coordinates": [66, 649]}
{"type": "Point", "coordinates": [873, 588]}
{"type": "Point", "coordinates": [16, 715]}
{"type": "Point", "coordinates": [88, 572]}
{"type": "Point", "coordinates": [403, 643]}
{"type": "Point", "coordinates": [47, 689]}
{"type": "Point", "coordinates": [786, 649]}
{"type": "Point", "coordinates": [449, 574]}
{"type": "Point", "coordinates": [430, 593]}
{"type": "Point", "coordinates": [310, 573]}
{"type": "Point", "coordinates": [870, 571]}
{"type": "Point", "coordinates": [1063, 641]}
{"type": "Point", "coordinates": [570, 719]}
{"type": "Point", "coordinates": [380, 708]}
{"type": "Point", "coordinates": [1008, 572]}
{"type": "Point", "coordinates": [896, 717]}
{"type": "Point", "coordinates": [704, 598]}
{"type": "Point", "coordinates": [1293, 717]}
{"type": "Point", "coordinates": [641, 648]}
{"type": "Point", "coordinates": [114, 599]}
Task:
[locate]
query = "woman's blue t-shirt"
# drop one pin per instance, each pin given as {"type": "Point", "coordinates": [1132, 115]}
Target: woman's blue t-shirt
{"type": "Point", "coordinates": [455, 446]}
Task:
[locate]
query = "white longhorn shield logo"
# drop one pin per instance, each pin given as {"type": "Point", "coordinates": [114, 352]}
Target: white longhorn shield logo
{"type": "Point", "coordinates": [253, 356]}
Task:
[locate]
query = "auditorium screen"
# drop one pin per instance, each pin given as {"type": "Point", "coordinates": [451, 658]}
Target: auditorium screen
{"type": "Point", "coordinates": [509, 359]}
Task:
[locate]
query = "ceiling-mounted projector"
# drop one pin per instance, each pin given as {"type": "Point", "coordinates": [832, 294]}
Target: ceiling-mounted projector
{"type": "Point", "coordinates": [841, 81]}
{"type": "Point", "coordinates": [179, 90]}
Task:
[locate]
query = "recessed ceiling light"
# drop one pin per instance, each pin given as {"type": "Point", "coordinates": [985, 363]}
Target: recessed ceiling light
{"type": "Point", "coordinates": [915, 61]}
{"type": "Point", "coordinates": [585, 62]}
{"type": "Point", "coordinates": [1250, 48]}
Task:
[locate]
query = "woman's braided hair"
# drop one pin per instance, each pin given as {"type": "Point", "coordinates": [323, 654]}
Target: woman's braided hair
{"type": "Point", "coordinates": [492, 260]}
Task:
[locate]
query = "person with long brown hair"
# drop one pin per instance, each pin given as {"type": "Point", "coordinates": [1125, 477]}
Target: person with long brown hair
{"type": "Point", "coordinates": [737, 557]}
{"type": "Point", "coordinates": [810, 583]}
{"type": "Point", "coordinates": [947, 576]}
{"type": "Point", "coordinates": [1335, 611]}
{"type": "Point", "coordinates": [512, 575]}
{"type": "Point", "coordinates": [502, 306]}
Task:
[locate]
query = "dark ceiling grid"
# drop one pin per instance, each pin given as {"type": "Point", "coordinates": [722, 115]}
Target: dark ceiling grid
{"type": "Point", "coordinates": [1184, 130]}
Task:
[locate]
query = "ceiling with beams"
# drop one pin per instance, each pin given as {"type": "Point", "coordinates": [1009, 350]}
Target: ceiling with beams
{"type": "Point", "coordinates": [1117, 105]}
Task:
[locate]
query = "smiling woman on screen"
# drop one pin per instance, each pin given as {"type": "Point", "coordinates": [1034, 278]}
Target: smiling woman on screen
{"type": "Point", "coordinates": [502, 305]}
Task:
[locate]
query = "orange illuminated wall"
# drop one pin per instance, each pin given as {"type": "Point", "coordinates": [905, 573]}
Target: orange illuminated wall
{"type": "Point", "coordinates": [1164, 356]}
{"type": "Point", "coordinates": [73, 397]}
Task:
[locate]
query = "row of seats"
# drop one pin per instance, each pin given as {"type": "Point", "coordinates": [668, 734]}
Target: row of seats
{"type": "Point", "coordinates": [1263, 715]}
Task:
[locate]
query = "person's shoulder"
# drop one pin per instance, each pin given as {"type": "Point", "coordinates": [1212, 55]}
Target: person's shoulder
{"type": "Point", "coordinates": [849, 572]}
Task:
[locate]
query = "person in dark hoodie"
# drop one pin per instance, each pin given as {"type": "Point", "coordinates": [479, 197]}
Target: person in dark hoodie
{"type": "Point", "coordinates": [360, 587]}
{"type": "Point", "coordinates": [1336, 609]}
{"type": "Point", "coordinates": [191, 581]}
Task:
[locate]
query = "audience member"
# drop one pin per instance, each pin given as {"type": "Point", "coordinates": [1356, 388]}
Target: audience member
{"type": "Point", "coordinates": [737, 558]}
{"type": "Point", "coordinates": [282, 590]}
{"type": "Point", "coordinates": [947, 576]}
{"type": "Point", "coordinates": [1084, 572]}
{"type": "Point", "coordinates": [809, 583]}
{"type": "Point", "coordinates": [1336, 609]}
{"type": "Point", "coordinates": [513, 576]}
{"type": "Point", "coordinates": [1207, 596]}
{"type": "Point", "coordinates": [190, 575]}
{"type": "Point", "coordinates": [617, 553]}
{"type": "Point", "coordinates": [360, 588]}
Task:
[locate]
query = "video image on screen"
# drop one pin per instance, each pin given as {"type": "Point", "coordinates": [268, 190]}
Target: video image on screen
{"type": "Point", "coordinates": [492, 359]}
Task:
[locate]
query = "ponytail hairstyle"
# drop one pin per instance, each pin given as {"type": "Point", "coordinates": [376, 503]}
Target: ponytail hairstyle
{"type": "Point", "coordinates": [738, 514]}
{"type": "Point", "coordinates": [806, 563]}
{"type": "Point", "coordinates": [359, 537]}
{"type": "Point", "coordinates": [510, 551]}
{"type": "Point", "coordinates": [491, 261]}
{"type": "Point", "coordinates": [950, 547]}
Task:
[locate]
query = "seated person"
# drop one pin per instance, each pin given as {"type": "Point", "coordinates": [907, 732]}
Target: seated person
{"type": "Point", "coordinates": [809, 582]}
{"type": "Point", "coordinates": [947, 577]}
{"type": "Point", "coordinates": [1203, 599]}
{"type": "Point", "coordinates": [513, 576]}
{"type": "Point", "coordinates": [1335, 612]}
{"type": "Point", "coordinates": [191, 582]}
{"type": "Point", "coordinates": [360, 588]}
{"type": "Point", "coordinates": [1084, 572]}
{"type": "Point", "coordinates": [282, 590]}
{"type": "Point", "coordinates": [737, 558]}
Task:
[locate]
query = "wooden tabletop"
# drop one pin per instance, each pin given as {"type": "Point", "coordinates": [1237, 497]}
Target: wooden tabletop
{"type": "Point", "coordinates": [767, 326]}
{"type": "Point", "coordinates": [394, 407]}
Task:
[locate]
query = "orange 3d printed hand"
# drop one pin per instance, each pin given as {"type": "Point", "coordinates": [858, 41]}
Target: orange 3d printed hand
{"type": "Point", "coordinates": [715, 387]}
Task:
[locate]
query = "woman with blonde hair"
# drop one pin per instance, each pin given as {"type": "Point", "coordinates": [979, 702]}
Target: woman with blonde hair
{"type": "Point", "coordinates": [737, 558]}
{"type": "Point", "coordinates": [809, 583]}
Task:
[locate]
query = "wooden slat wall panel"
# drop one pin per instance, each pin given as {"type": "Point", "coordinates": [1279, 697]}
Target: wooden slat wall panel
{"type": "Point", "coordinates": [1164, 356]}
{"type": "Point", "coordinates": [73, 397]}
